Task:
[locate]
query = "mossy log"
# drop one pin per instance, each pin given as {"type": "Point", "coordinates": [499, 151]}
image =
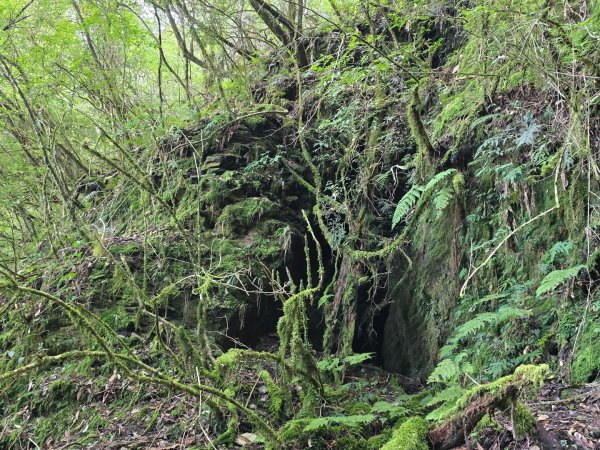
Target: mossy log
{"type": "Point", "coordinates": [477, 402]}
{"type": "Point", "coordinates": [452, 433]}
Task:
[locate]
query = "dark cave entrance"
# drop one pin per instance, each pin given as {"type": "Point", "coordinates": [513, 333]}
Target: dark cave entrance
{"type": "Point", "coordinates": [371, 317]}
{"type": "Point", "coordinates": [257, 325]}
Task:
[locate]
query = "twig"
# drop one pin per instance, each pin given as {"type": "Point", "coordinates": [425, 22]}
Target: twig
{"type": "Point", "coordinates": [515, 231]}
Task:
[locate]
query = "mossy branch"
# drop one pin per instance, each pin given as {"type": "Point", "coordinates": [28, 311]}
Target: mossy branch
{"type": "Point", "coordinates": [418, 132]}
{"type": "Point", "coordinates": [158, 378]}
{"type": "Point", "coordinates": [49, 360]}
{"type": "Point", "coordinates": [121, 361]}
{"type": "Point", "coordinates": [399, 241]}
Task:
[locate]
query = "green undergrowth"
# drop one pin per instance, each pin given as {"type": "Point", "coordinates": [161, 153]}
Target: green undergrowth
{"type": "Point", "coordinates": [426, 189]}
{"type": "Point", "coordinates": [586, 365]}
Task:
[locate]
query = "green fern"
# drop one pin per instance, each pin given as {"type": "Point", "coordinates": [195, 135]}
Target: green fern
{"type": "Point", "coordinates": [442, 199]}
{"type": "Point", "coordinates": [482, 320]}
{"type": "Point", "coordinates": [414, 194]}
{"type": "Point", "coordinates": [445, 371]}
{"type": "Point", "coordinates": [446, 400]}
{"type": "Point", "coordinates": [558, 277]}
{"type": "Point", "coordinates": [449, 394]}
{"type": "Point", "coordinates": [558, 252]}
{"type": "Point", "coordinates": [489, 298]}
{"type": "Point", "coordinates": [560, 248]}
{"type": "Point", "coordinates": [407, 203]}
{"type": "Point", "coordinates": [482, 120]}
{"type": "Point", "coordinates": [439, 177]}
{"type": "Point", "coordinates": [390, 410]}
{"type": "Point", "coordinates": [351, 422]}
{"type": "Point", "coordinates": [358, 358]}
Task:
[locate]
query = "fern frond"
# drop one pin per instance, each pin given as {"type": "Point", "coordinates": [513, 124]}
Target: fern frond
{"type": "Point", "coordinates": [558, 277]}
{"type": "Point", "coordinates": [482, 120]}
{"type": "Point", "coordinates": [490, 297]}
{"type": "Point", "coordinates": [474, 325]}
{"type": "Point", "coordinates": [406, 203]}
{"type": "Point", "coordinates": [449, 394]}
{"type": "Point", "coordinates": [442, 199]}
{"type": "Point", "coordinates": [445, 370]}
{"type": "Point", "coordinates": [350, 422]}
{"type": "Point", "coordinates": [560, 248]}
{"type": "Point", "coordinates": [482, 320]}
{"type": "Point", "coordinates": [414, 194]}
{"type": "Point", "coordinates": [439, 177]}
{"type": "Point", "coordinates": [447, 400]}
{"type": "Point", "coordinates": [358, 358]}
{"type": "Point", "coordinates": [391, 410]}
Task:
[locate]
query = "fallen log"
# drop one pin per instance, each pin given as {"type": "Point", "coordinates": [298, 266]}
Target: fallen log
{"type": "Point", "coordinates": [459, 421]}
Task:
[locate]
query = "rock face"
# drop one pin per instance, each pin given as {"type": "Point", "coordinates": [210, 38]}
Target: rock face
{"type": "Point", "coordinates": [420, 316]}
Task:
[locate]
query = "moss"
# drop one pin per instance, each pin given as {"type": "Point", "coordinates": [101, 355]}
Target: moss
{"type": "Point", "coordinates": [276, 396]}
{"type": "Point", "coordinates": [422, 325]}
{"type": "Point", "coordinates": [129, 249]}
{"type": "Point", "coordinates": [64, 390]}
{"type": "Point", "coordinates": [524, 421]}
{"type": "Point", "coordinates": [311, 403]}
{"type": "Point", "coordinates": [56, 424]}
{"type": "Point", "coordinates": [419, 134]}
{"type": "Point", "coordinates": [63, 340]}
{"type": "Point", "coordinates": [227, 361]}
{"type": "Point", "coordinates": [230, 252]}
{"type": "Point", "coordinates": [524, 378]}
{"type": "Point", "coordinates": [378, 441]}
{"type": "Point", "coordinates": [488, 422]}
{"type": "Point", "coordinates": [46, 428]}
{"type": "Point", "coordinates": [242, 215]}
{"type": "Point", "coordinates": [350, 443]}
{"type": "Point", "coordinates": [143, 412]}
{"type": "Point", "coordinates": [179, 410]}
{"type": "Point", "coordinates": [411, 435]}
{"type": "Point", "coordinates": [61, 393]}
{"type": "Point", "coordinates": [117, 317]}
{"type": "Point", "coordinates": [358, 408]}
{"type": "Point", "coordinates": [153, 419]}
{"type": "Point", "coordinates": [586, 363]}
{"type": "Point", "coordinates": [273, 239]}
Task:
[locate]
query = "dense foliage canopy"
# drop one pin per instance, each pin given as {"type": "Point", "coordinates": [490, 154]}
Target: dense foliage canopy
{"type": "Point", "coordinates": [292, 223]}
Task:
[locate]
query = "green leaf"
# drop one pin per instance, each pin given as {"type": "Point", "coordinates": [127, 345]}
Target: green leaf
{"type": "Point", "coordinates": [391, 410]}
{"type": "Point", "coordinates": [481, 120]}
{"type": "Point", "coordinates": [558, 277]}
{"type": "Point", "coordinates": [358, 358]}
{"type": "Point", "coordinates": [442, 199]}
{"type": "Point", "coordinates": [355, 421]}
{"type": "Point", "coordinates": [406, 203]}
{"type": "Point", "coordinates": [446, 370]}
{"type": "Point", "coordinates": [410, 199]}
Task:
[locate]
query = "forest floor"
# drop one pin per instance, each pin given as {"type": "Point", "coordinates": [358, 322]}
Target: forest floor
{"type": "Point", "coordinates": [115, 413]}
{"type": "Point", "coordinates": [567, 418]}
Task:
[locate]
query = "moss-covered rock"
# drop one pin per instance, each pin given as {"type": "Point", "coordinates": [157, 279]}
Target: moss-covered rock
{"type": "Point", "coordinates": [240, 216]}
{"type": "Point", "coordinates": [421, 315]}
{"type": "Point", "coordinates": [586, 363]}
